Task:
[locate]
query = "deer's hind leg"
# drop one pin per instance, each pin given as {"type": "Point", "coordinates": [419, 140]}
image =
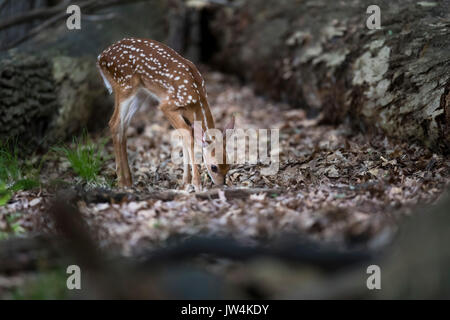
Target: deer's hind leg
{"type": "Point", "coordinates": [114, 127]}
{"type": "Point", "coordinates": [125, 107]}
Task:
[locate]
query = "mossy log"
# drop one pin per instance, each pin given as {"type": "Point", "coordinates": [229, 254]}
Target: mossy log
{"type": "Point", "coordinates": [320, 55]}
{"type": "Point", "coordinates": [50, 87]}
{"type": "Point", "coordinates": [46, 99]}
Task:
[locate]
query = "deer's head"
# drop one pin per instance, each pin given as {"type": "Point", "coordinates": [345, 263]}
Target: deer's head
{"type": "Point", "coordinates": [213, 144]}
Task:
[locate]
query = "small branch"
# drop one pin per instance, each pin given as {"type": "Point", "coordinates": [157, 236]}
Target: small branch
{"type": "Point", "coordinates": [33, 15]}
{"type": "Point", "coordinates": [35, 31]}
{"type": "Point", "coordinates": [48, 12]}
{"type": "Point", "coordinates": [102, 195]}
{"type": "Point", "coordinates": [235, 193]}
{"type": "Point", "coordinates": [41, 13]}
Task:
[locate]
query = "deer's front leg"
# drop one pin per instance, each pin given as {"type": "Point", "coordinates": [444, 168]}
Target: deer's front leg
{"type": "Point", "coordinates": [177, 121]}
{"type": "Point", "coordinates": [187, 177]}
{"type": "Point", "coordinates": [120, 148]}
{"type": "Point", "coordinates": [194, 167]}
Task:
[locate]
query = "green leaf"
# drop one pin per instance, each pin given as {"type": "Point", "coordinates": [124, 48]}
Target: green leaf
{"type": "Point", "coordinates": [4, 198]}
{"type": "Point", "coordinates": [5, 194]}
{"type": "Point", "coordinates": [25, 184]}
{"type": "Point", "coordinates": [85, 157]}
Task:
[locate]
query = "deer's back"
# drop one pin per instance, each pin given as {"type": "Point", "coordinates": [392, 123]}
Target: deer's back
{"type": "Point", "coordinates": [154, 65]}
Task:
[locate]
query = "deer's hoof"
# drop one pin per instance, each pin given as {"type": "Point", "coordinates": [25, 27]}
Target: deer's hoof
{"type": "Point", "coordinates": [189, 188]}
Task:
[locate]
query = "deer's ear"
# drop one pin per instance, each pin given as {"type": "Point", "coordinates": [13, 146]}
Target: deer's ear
{"type": "Point", "coordinates": [229, 125]}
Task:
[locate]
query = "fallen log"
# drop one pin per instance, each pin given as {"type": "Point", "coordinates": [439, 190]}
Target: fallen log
{"type": "Point", "coordinates": [99, 195]}
{"type": "Point", "coordinates": [44, 100]}
{"type": "Point", "coordinates": [321, 56]}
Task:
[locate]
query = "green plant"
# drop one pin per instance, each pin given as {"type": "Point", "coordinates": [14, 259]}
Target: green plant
{"type": "Point", "coordinates": [5, 194]}
{"type": "Point", "coordinates": [9, 164]}
{"type": "Point", "coordinates": [85, 158]}
{"type": "Point", "coordinates": [47, 285]}
{"type": "Point", "coordinates": [13, 226]}
{"type": "Point", "coordinates": [13, 177]}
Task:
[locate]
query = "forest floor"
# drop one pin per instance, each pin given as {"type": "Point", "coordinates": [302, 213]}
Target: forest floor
{"type": "Point", "coordinates": [333, 184]}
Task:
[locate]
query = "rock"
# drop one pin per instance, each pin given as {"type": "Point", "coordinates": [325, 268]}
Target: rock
{"type": "Point", "coordinates": [320, 56]}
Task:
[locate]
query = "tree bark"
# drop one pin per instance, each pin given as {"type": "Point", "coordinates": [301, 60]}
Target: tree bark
{"type": "Point", "coordinates": [45, 100]}
{"type": "Point", "coordinates": [320, 55]}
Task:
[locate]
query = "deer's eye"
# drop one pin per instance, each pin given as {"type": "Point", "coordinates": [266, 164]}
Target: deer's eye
{"type": "Point", "coordinates": [214, 168]}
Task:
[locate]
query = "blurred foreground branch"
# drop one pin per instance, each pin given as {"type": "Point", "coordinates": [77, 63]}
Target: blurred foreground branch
{"type": "Point", "coordinates": [417, 266]}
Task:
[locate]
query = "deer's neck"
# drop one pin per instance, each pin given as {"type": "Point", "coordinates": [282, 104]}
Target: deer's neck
{"type": "Point", "coordinates": [203, 114]}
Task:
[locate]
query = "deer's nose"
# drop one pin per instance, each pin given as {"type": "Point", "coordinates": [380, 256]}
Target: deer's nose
{"type": "Point", "coordinates": [220, 181]}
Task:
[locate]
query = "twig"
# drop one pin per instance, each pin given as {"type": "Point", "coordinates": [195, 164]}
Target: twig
{"type": "Point", "coordinates": [103, 195]}
{"type": "Point", "coordinates": [35, 31]}
{"type": "Point", "coordinates": [235, 193]}
{"type": "Point", "coordinates": [33, 15]}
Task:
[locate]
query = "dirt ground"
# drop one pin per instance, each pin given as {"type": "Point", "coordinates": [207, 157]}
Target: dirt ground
{"type": "Point", "coordinates": [333, 184]}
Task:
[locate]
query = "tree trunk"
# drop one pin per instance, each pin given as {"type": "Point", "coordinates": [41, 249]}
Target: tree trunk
{"type": "Point", "coordinates": [321, 56]}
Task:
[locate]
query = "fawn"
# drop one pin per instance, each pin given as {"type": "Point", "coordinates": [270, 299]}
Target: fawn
{"type": "Point", "coordinates": [135, 68]}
